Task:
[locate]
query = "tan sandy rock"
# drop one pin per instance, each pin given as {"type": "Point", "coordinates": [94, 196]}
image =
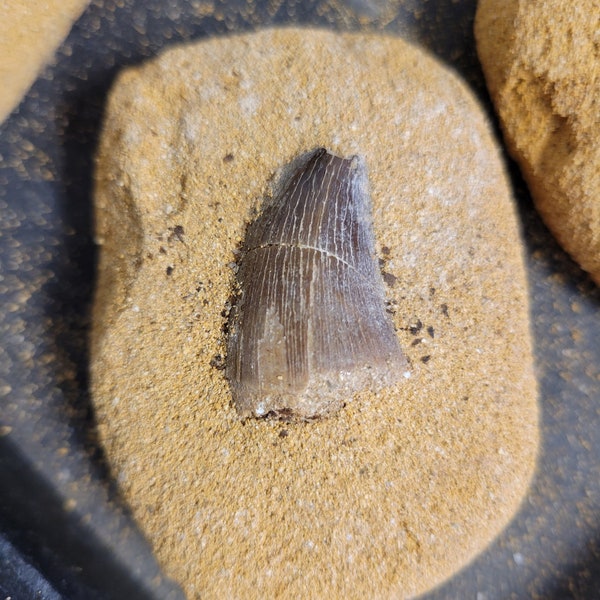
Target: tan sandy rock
{"type": "Point", "coordinates": [397, 491]}
{"type": "Point", "coordinates": [30, 32]}
{"type": "Point", "coordinates": [542, 65]}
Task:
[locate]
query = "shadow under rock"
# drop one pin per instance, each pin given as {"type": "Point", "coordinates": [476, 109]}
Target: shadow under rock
{"type": "Point", "coordinates": [55, 543]}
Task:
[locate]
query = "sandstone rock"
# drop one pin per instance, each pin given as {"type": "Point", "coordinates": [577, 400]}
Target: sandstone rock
{"type": "Point", "coordinates": [30, 32]}
{"type": "Point", "coordinates": [399, 489]}
{"type": "Point", "coordinates": [542, 65]}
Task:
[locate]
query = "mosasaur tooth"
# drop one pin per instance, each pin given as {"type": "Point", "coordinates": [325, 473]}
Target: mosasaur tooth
{"type": "Point", "coordinates": [309, 327]}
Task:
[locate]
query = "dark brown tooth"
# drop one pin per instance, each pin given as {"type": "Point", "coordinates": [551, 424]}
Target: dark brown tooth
{"type": "Point", "coordinates": [309, 328]}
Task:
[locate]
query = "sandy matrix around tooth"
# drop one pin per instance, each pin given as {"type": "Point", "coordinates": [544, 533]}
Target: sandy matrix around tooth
{"type": "Point", "coordinates": [542, 65]}
{"type": "Point", "coordinates": [394, 493]}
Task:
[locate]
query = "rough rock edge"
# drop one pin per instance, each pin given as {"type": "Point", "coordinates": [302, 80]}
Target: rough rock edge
{"type": "Point", "coordinates": [543, 137]}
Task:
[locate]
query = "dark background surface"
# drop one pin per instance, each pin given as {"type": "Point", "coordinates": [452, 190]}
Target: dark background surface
{"type": "Point", "coordinates": [64, 531]}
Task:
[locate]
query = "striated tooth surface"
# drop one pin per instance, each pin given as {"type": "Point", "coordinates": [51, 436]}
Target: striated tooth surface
{"type": "Point", "coordinates": [309, 328]}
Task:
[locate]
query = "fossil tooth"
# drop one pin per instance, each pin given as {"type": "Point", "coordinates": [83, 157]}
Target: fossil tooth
{"type": "Point", "coordinates": [309, 328]}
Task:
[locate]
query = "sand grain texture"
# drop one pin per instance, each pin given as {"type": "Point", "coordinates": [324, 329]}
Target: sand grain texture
{"type": "Point", "coordinates": [394, 493]}
{"type": "Point", "coordinates": [542, 65]}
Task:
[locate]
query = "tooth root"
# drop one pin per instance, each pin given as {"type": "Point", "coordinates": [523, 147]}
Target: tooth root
{"type": "Point", "coordinates": [309, 328]}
